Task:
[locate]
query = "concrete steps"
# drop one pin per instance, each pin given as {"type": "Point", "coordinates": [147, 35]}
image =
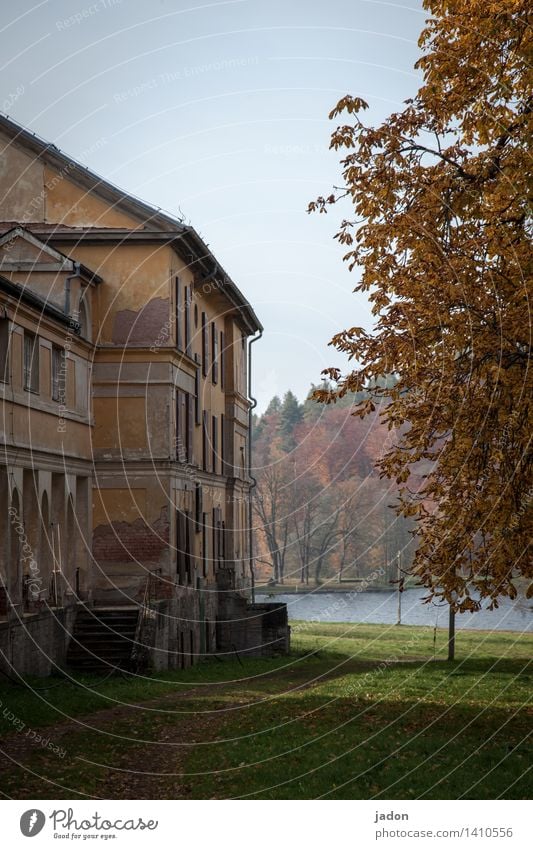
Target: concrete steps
{"type": "Point", "coordinates": [103, 639]}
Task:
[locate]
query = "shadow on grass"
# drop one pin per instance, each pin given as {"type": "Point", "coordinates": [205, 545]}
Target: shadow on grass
{"type": "Point", "coordinates": [348, 738]}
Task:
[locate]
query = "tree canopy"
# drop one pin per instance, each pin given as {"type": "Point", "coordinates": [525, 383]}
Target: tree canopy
{"type": "Point", "coordinates": [440, 232]}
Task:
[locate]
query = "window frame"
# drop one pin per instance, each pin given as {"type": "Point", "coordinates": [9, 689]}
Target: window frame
{"type": "Point", "coordinates": [5, 345]}
{"type": "Point", "coordinates": [205, 345]}
{"type": "Point", "coordinates": [214, 444]}
{"type": "Point", "coordinates": [31, 363]}
{"type": "Point", "coordinates": [178, 307]}
{"type": "Point", "coordinates": [57, 391]}
{"type": "Point", "coordinates": [205, 441]}
{"type": "Point", "coordinates": [214, 353]}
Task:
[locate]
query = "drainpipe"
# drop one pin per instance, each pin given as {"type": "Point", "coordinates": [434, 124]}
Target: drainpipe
{"type": "Point", "coordinates": [67, 286]}
{"type": "Point", "coordinates": [253, 405]}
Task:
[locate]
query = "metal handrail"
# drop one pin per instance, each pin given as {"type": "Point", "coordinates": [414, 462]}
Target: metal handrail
{"type": "Point", "coordinates": [146, 605]}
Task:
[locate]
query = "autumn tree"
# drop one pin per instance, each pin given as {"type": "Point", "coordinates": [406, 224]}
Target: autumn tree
{"type": "Point", "coordinates": [322, 513]}
{"type": "Point", "coordinates": [271, 504]}
{"type": "Point", "coordinates": [439, 230]}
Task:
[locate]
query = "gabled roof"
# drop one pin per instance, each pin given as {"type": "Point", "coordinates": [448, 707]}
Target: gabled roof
{"type": "Point", "coordinates": [186, 241]}
{"type": "Point", "coordinates": [57, 261]}
{"type": "Point", "coordinates": [25, 296]}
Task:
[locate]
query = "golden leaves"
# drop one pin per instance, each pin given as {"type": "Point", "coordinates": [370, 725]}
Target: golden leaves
{"type": "Point", "coordinates": [444, 250]}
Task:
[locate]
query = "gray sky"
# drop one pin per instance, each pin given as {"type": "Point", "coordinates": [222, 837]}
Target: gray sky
{"type": "Point", "coordinates": [218, 111]}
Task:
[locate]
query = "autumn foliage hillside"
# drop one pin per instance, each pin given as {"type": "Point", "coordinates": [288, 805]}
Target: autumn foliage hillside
{"type": "Point", "coordinates": [321, 512]}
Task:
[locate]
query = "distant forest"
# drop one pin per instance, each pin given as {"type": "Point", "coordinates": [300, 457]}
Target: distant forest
{"type": "Point", "coordinates": [322, 513]}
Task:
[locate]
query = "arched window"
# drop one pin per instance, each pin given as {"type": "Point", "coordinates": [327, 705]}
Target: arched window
{"type": "Point", "coordinates": [84, 320]}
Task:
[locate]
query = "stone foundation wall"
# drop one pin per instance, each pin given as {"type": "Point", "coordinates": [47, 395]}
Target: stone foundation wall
{"type": "Point", "coordinates": [252, 630]}
{"type": "Point", "coordinates": [37, 644]}
{"type": "Point", "coordinates": [181, 630]}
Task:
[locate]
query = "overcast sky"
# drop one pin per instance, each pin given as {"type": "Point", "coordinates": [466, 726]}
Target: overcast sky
{"type": "Point", "coordinates": [218, 112]}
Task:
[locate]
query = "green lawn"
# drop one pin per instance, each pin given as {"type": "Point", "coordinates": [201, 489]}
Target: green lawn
{"type": "Point", "coordinates": [357, 711]}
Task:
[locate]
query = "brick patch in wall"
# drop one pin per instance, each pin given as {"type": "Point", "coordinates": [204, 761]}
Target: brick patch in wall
{"type": "Point", "coordinates": [129, 541]}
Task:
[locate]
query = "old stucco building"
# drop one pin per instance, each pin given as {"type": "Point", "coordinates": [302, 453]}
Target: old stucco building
{"type": "Point", "coordinates": [124, 470]}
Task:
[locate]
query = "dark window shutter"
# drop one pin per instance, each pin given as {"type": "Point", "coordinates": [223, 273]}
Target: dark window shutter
{"type": "Point", "coordinates": [222, 445]}
{"type": "Point", "coordinates": [205, 346]}
{"type": "Point", "coordinates": [205, 545]}
{"type": "Point", "coordinates": [205, 441]}
{"type": "Point", "coordinates": [219, 545]}
{"type": "Point", "coordinates": [188, 302]}
{"type": "Point", "coordinates": [179, 310]}
{"type": "Point", "coordinates": [181, 545]}
{"type": "Point", "coordinates": [214, 352]}
{"type": "Point", "coordinates": [198, 506]}
{"type": "Point", "coordinates": [188, 550]}
{"type": "Point", "coordinates": [214, 443]}
{"type": "Point", "coordinates": [215, 538]}
{"type": "Point", "coordinates": [222, 360]}
{"type": "Point", "coordinates": [197, 399]}
{"type": "Point", "coordinates": [182, 449]}
{"type": "Point", "coordinates": [190, 426]}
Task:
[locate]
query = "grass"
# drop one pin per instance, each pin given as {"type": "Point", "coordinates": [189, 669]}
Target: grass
{"type": "Point", "coordinates": [356, 711]}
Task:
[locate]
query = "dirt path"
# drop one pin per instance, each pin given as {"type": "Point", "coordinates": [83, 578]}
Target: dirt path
{"type": "Point", "coordinates": [154, 769]}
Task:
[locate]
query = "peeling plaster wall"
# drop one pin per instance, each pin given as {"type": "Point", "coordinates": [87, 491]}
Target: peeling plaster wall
{"type": "Point", "coordinates": [131, 534]}
{"type": "Point", "coordinates": [50, 286]}
{"type": "Point", "coordinates": [22, 191]}
{"type": "Point", "coordinates": [149, 326]}
{"type": "Point", "coordinates": [120, 426]}
{"type": "Point", "coordinates": [73, 205]}
{"type": "Point", "coordinates": [134, 277]}
{"type": "Point", "coordinates": [123, 542]}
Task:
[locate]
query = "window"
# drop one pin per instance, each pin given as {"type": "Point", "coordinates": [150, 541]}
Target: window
{"type": "Point", "coordinates": [205, 346]}
{"type": "Point", "coordinates": [205, 441]}
{"type": "Point", "coordinates": [222, 445]}
{"type": "Point", "coordinates": [184, 426]}
{"type": "Point", "coordinates": [190, 429]}
{"type": "Point", "coordinates": [222, 360]}
{"type": "Point", "coordinates": [83, 320]}
{"type": "Point", "coordinates": [58, 374]}
{"type": "Point", "coordinates": [31, 362]}
{"type": "Point", "coordinates": [181, 541]}
{"type": "Point", "coordinates": [218, 538]}
{"type": "Point", "coordinates": [188, 304]}
{"type": "Point", "coordinates": [205, 546]}
{"type": "Point", "coordinates": [181, 427]}
{"type": "Point", "coordinates": [179, 310]}
{"type": "Point", "coordinates": [197, 406]}
{"type": "Point", "coordinates": [198, 507]}
{"type": "Point", "coordinates": [4, 350]}
{"type": "Point", "coordinates": [188, 549]}
{"type": "Point", "coordinates": [214, 443]}
{"type": "Point", "coordinates": [183, 548]}
{"type": "Point", "coordinates": [215, 538]}
{"type": "Point", "coordinates": [214, 352]}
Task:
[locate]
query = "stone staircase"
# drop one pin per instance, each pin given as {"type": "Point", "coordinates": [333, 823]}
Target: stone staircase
{"type": "Point", "coordinates": [103, 639]}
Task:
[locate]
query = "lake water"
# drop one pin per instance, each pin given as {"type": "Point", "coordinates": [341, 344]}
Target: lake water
{"type": "Point", "coordinates": [382, 608]}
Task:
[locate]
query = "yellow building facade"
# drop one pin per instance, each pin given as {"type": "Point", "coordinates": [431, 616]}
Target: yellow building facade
{"type": "Point", "coordinates": [124, 351]}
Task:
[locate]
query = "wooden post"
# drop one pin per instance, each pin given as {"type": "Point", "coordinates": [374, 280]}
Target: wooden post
{"type": "Point", "coordinates": [400, 589]}
{"type": "Point", "coordinates": [451, 634]}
